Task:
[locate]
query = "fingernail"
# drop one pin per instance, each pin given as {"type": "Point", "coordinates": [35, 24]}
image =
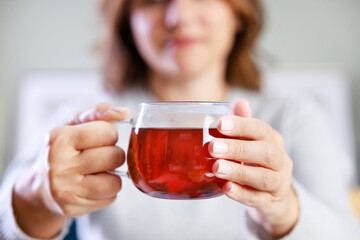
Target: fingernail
{"type": "Point", "coordinates": [233, 188]}
{"type": "Point", "coordinates": [226, 124]}
{"type": "Point", "coordinates": [220, 147]}
{"type": "Point", "coordinates": [88, 115]}
{"type": "Point", "coordinates": [247, 103]}
{"type": "Point", "coordinates": [118, 109]}
{"type": "Point", "coordinates": [224, 169]}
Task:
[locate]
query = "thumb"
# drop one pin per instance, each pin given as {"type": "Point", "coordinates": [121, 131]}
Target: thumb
{"type": "Point", "coordinates": [101, 112]}
{"type": "Point", "coordinates": [241, 108]}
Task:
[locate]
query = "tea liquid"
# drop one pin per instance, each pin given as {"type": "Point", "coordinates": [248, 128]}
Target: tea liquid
{"type": "Point", "coordinates": [173, 163]}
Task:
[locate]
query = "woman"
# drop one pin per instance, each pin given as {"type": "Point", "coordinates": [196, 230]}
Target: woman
{"type": "Point", "coordinates": [185, 50]}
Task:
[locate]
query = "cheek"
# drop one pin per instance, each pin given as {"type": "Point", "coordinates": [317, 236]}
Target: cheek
{"type": "Point", "coordinates": [141, 28]}
{"type": "Point", "coordinates": [140, 23]}
{"type": "Point", "coordinates": [222, 25]}
{"type": "Point", "coordinates": [144, 27]}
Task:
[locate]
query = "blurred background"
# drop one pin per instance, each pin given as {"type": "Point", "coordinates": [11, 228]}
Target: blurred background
{"type": "Point", "coordinates": [60, 35]}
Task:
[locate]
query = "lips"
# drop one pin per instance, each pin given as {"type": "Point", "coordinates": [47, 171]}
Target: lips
{"type": "Point", "coordinates": [179, 42]}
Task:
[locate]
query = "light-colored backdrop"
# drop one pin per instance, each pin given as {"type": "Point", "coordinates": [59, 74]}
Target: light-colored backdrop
{"type": "Point", "coordinates": [61, 35]}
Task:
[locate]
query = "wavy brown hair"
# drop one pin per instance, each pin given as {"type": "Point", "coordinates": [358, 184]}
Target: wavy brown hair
{"type": "Point", "coordinates": [124, 67]}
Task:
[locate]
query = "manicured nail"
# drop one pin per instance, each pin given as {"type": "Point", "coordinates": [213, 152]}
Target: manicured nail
{"type": "Point", "coordinates": [87, 115]}
{"type": "Point", "coordinates": [118, 109]}
{"type": "Point", "coordinates": [220, 147]}
{"type": "Point", "coordinates": [233, 188]}
{"type": "Point", "coordinates": [224, 169]}
{"type": "Point", "coordinates": [226, 124]}
{"type": "Point", "coordinates": [247, 103]}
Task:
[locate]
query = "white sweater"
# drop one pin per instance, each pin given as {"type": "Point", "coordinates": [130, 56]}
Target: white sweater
{"type": "Point", "coordinates": [321, 179]}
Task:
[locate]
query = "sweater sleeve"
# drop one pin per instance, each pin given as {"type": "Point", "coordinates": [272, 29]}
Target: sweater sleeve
{"type": "Point", "coordinates": [322, 177]}
{"type": "Point", "coordinates": [9, 228]}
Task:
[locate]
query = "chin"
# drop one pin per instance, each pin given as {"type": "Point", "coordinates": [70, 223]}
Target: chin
{"type": "Point", "coordinates": [191, 64]}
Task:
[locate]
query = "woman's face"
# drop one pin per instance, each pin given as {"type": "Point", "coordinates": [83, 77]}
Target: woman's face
{"type": "Point", "coordinates": [183, 37]}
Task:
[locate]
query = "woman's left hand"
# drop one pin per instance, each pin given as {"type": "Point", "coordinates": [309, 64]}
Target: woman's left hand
{"type": "Point", "coordinates": [258, 170]}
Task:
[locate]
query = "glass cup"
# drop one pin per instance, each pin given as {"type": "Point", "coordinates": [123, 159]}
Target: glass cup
{"type": "Point", "coordinates": [168, 151]}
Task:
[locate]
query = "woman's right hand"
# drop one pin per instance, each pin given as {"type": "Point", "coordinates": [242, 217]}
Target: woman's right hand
{"type": "Point", "coordinates": [70, 177]}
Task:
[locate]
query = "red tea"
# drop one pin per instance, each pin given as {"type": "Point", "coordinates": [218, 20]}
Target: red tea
{"type": "Point", "coordinates": [173, 163]}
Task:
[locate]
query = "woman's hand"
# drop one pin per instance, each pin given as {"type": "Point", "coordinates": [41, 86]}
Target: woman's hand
{"type": "Point", "coordinates": [70, 177]}
{"type": "Point", "coordinates": [258, 170]}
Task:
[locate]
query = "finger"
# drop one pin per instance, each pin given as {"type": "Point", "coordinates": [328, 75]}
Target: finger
{"type": "Point", "coordinates": [99, 186]}
{"type": "Point", "coordinates": [69, 140]}
{"type": "Point", "coordinates": [257, 152]}
{"type": "Point", "coordinates": [256, 177]}
{"type": "Point", "coordinates": [96, 160]}
{"type": "Point", "coordinates": [82, 206]}
{"type": "Point", "coordinates": [241, 108]}
{"type": "Point", "coordinates": [249, 128]}
{"type": "Point", "coordinates": [245, 195]}
{"type": "Point", "coordinates": [93, 134]}
{"type": "Point", "coordinates": [101, 112]}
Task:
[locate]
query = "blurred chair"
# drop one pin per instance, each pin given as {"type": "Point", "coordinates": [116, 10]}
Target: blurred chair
{"type": "Point", "coordinates": [330, 88]}
{"type": "Point", "coordinates": [41, 92]}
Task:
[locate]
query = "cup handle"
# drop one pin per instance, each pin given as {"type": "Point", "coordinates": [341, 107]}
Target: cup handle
{"type": "Point", "coordinates": [117, 172]}
{"type": "Point", "coordinates": [120, 173]}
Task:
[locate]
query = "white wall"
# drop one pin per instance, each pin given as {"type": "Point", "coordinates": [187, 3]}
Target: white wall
{"type": "Point", "coordinates": [60, 34]}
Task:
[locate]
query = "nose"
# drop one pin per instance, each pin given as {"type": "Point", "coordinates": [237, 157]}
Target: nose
{"type": "Point", "coordinates": [178, 12]}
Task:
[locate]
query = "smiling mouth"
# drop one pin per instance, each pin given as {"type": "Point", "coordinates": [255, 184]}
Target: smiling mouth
{"type": "Point", "coordinates": [182, 42]}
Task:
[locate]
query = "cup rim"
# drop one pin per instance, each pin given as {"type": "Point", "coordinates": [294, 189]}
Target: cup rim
{"type": "Point", "coordinates": [195, 103]}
